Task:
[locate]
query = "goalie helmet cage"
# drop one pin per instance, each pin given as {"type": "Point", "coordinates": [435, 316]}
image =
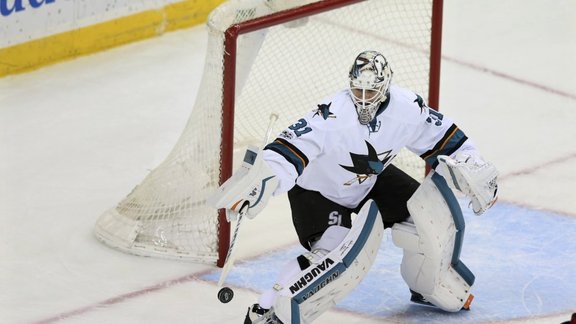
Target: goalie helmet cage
{"type": "Point", "coordinates": [266, 56]}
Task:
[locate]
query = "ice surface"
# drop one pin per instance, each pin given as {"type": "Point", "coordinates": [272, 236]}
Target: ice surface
{"type": "Point", "coordinates": [77, 136]}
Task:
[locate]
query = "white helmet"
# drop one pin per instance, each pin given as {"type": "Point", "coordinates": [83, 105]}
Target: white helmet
{"type": "Point", "coordinates": [370, 77]}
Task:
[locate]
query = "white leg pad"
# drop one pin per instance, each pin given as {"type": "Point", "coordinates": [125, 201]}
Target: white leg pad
{"type": "Point", "coordinates": [334, 273]}
{"type": "Point", "coordinates": [431, 265]}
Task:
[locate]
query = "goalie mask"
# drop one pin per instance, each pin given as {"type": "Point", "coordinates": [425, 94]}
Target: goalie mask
{"type": "Point", "coordinates": [370, 77]}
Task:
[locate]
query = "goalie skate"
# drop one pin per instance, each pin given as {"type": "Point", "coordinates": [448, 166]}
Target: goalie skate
{"type": "Point", "coordinates": [419, 299]}
{"type": "Point", "coordinates": [259, 315]}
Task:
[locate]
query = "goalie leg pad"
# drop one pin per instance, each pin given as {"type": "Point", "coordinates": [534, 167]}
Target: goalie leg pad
{"type": "Point", "coordinates": [431, 263]}
{"type": "Point", "coordinates": [337, 264]}
{"type": "Point", "coordinates": [331, 238]}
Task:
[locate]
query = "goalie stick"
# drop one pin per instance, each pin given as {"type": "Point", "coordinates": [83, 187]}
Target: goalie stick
{"type": "Point", "coordinates": [229, 262]}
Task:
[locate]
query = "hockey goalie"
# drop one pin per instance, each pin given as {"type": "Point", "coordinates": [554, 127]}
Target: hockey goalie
{"type": "Point", "coordinates": [335, 164]}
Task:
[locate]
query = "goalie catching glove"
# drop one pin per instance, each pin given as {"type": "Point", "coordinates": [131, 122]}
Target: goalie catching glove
{"type": "Point", "coordinates": [248, 190]}
{"type": "Point", "coordinates": [469, 174]}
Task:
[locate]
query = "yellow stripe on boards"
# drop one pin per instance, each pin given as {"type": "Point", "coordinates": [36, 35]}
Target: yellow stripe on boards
{"type": "Point", "coordinates": [55, 48]}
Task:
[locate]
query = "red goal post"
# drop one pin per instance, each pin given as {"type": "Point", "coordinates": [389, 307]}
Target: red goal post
{"type": "Point", "coordinates": [250, 44]}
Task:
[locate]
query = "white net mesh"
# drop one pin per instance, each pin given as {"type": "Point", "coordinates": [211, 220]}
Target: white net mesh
{"type": "Point", "coordinates": [280, 69]}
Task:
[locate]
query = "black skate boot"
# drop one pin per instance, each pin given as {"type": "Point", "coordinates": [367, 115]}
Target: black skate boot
{"type": "Point", "coordinates": [259, 315]}
{"type": "Point", "coordinates": [572, 321]}
{"type": "Point", "coordinates": [419, 299]}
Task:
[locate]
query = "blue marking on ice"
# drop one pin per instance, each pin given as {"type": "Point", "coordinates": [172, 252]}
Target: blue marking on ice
{"type": "Point", "coordinates": [524, 261]}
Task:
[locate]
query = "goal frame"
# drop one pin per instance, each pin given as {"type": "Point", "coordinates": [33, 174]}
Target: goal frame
{"type": "Point", "coordinates": [229, 83]}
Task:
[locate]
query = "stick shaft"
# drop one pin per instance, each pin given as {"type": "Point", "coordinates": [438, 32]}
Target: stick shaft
{"type": "Point", "coordinates": [229, 257]}
{"type": "Point", "coordinates": [229, 262]}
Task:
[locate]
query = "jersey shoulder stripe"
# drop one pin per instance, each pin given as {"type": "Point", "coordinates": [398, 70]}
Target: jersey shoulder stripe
{"type": "Point", "coordinates": [290, 152]}
{"type": "Point", "coordinates": [448, 144]}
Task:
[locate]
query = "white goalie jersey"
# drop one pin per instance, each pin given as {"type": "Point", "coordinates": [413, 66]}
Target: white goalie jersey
{"type": "Point", "coordinates": [329, 151]}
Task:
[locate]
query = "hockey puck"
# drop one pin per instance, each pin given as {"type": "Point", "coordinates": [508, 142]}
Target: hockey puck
{"type": "Point", "coordinates": [225, 295]}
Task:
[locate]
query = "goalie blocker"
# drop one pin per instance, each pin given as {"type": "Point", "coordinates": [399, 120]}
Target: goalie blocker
{"type": "Point", "coordinates": [248, 190]}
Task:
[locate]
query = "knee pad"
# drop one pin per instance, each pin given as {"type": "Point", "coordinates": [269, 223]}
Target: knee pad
{"type": "Point", "coordinates": [431, 263]}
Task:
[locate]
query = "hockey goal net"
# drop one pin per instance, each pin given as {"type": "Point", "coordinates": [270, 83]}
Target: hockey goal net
{"type": "Point", "coordinates": [265, 56]}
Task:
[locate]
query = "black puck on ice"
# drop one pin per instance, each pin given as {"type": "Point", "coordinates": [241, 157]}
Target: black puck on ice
{"type": "Point", "coordinates": [225, 295]}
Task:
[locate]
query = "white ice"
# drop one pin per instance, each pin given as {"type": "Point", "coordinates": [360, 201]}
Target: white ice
{"type": "Point", "coordinates": [76, 137]}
